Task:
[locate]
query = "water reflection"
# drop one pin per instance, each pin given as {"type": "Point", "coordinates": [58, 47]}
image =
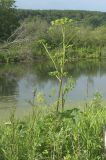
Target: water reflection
{"type": "Point", "coordinates": [17, 81]}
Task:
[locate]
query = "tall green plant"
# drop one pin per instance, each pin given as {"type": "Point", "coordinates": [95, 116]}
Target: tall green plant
{"type": "Point", "coordinates": [59, 58]}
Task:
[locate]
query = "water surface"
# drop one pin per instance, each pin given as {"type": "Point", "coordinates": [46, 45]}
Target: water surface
{"type": "Point", "coordinates": [18, 81]}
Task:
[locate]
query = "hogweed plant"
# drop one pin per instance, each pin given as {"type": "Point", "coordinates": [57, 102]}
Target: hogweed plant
{"type": "Point", "coordinates": [59, 59]}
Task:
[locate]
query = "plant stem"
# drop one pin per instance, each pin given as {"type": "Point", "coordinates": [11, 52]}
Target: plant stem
{"type": "Point", "coordinates": [59, 94]}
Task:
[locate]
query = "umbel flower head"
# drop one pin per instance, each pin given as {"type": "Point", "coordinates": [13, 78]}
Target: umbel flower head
{"type": "Point", "coordinates": [61, 21]}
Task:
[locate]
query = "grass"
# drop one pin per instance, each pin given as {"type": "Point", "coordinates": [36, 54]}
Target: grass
{"type": "Point", "coordinates": [46, 135]}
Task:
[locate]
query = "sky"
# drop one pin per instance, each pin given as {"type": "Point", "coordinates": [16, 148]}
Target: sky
{"type": "Point", "coordinates": [94, 5]}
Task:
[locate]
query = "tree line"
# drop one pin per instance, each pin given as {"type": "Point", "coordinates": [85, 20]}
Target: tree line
{"type": "Point", "coordinates": [11, 17]}
{"type": "Point", "coordinates": [92, 18]}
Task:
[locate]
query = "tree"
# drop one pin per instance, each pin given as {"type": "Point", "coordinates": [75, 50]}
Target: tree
{"type": "Point", "coordinates": [7, 3]}
{"type": "Point", "coordinates": [8, 18]}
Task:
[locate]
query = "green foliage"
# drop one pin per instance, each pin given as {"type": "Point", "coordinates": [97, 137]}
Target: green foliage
{"type": "Point", "coordinates": [71, 135]}
{"type": "Point", "coordinates": [87, 18]}
{"type": "Point", "coordinates": [7, 3]}
{"type": "Point", "coordinates": [59, 58]}
{"type": "Point", "coordinates": [84, 39]}
{"type": "Point", "coordinates": [8, 19]}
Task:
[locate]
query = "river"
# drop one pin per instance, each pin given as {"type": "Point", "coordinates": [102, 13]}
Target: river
{"type": "Point", "coordinates": [19, 81]}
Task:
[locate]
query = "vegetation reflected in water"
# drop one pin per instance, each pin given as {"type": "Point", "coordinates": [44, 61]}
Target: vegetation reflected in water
{"type": "Point", "coordinates": [18, 81]}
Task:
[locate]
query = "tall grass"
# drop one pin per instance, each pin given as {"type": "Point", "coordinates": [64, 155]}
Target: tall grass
{"type": "Point", "coordinates": [45, 135]}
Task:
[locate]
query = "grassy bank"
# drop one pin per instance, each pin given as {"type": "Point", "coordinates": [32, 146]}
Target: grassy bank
{"type": "Point", "coordinates": [46, 135]}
